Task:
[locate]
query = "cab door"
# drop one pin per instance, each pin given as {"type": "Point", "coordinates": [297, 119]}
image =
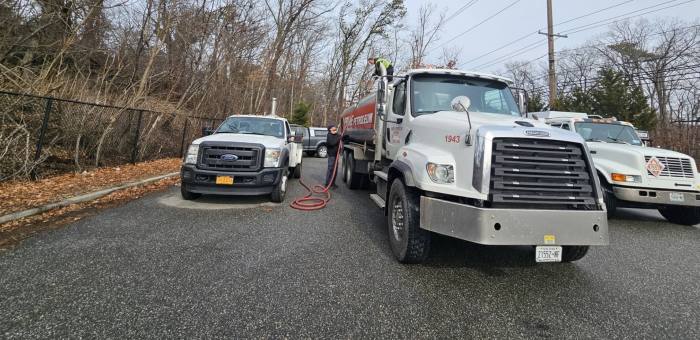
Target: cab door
{"type": "Point", "coordinates": [295, 147]}
{"type": "Point", "coordinates": [395, 131]}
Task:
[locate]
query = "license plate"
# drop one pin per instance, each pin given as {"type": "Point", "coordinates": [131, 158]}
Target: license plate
{"type": "Point", "coordinates": [677, 197]}
{"type": "Point", "coordinates": [226, 180]}
{"type": "Point", "coordinates": [548, 254]}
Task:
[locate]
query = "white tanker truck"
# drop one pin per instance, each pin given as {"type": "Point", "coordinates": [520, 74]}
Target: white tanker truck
{"type": "Point", "coordinates": [450, 153]}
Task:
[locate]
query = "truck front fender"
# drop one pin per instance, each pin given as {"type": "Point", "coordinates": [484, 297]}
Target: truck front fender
{"type": "Point", "coordinates": [404, 170]}
{"type": "Point", "coordinates": [605, 167]}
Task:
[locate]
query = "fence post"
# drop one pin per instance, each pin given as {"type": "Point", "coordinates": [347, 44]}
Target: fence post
{"type": "Point", "coordinates": [182, 142]}
{"type": "Point", "coordinates": [135, 150]}
{"type": "Point", "coordinates": [42, 133]}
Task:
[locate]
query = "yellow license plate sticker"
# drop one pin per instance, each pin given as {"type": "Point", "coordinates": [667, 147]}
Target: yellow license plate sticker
{"type": "Point", "coordinates": [550, 239]}
{"type": "Point", "coordinates": [225, 180]}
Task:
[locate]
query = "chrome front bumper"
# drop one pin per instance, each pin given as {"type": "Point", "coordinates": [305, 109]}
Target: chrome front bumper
{"type": "Point", "coordinates": [652, 196]}
{"type": "Point", "coordinates": [514, 226]}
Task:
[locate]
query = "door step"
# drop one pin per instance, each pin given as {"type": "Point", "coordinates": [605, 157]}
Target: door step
{"type": "Point", "coordinates": [378, 200]}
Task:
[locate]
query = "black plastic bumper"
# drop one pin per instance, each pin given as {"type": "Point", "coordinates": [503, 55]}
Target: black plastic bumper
{"type": "Point", "coordinates": [244, 183]}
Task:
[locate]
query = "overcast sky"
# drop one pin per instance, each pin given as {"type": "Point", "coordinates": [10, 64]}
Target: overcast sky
{"type": "Point", "coordinates": [528, 16]}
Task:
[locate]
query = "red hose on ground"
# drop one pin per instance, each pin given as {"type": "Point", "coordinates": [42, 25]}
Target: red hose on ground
{"type": "Point", "coordinates": [310, 202]}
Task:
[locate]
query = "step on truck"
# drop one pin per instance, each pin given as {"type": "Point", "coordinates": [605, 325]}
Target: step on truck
{"type": "Point", "coordinates": [449, 152]}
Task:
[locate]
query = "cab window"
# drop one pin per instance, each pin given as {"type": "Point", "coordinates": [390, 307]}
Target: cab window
{"type": "Point", "coordinates": [399, 102]}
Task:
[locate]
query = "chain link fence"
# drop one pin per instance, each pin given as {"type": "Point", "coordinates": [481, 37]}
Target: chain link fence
{"type": "Point", "coordinates": [41, 136]}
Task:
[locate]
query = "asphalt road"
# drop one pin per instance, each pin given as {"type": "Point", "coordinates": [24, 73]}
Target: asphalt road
{"type": "Point", "coordinates": [159, 267]}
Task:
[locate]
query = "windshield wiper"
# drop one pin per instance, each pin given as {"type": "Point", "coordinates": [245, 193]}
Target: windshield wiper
{"type": "Point", "coordinates": [615, 140]}
{"type": "Point", "coordinates": [593, 140]}
{"type": "Point", "coordinates": [253, 133]}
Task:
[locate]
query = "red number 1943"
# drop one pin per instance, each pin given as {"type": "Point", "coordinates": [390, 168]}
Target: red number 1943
{"type": "Point", "coordinates": [452, 139]}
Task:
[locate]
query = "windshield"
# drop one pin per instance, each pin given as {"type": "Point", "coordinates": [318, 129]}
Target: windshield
{"type": "Point", "coordinates": [252, 126]}
{"type": "Point", "coordinates": [611, 133]}
{"type": "Point", "coordinates": [433, 93]}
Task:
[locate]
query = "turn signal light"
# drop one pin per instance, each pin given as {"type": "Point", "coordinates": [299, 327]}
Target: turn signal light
{"type": "Point", "coordinates": [625, 178]}
{"type": "Point", "coordinates": [619, 177]}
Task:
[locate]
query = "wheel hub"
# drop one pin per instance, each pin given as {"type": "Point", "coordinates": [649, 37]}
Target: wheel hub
{"type": "Point", "coordinates": [397, 219]}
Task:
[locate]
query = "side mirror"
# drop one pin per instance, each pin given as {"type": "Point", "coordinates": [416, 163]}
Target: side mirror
{"type": "Point", "coordinates": [522, 102]}
{"type": "Point", "coordinates": [206, 131]}
{"type": "Point", "coordinates": [461, 103]}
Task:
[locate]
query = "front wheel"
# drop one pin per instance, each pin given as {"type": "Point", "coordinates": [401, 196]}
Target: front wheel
{"type": "Point", "coordinates": [573, 253]}
{"type": "Point", "coordinates": [609, 199]}
{"type": "Point", "coordinates": [322, 151]}
{"type": "Point", "coordinates": [681, 215]}
{"type": "Point", "coordinates": [409, 243]}
{"type": "Point", "coordinates": [280, 190]}
{"type": "Point", "coordinates": [186, 194]}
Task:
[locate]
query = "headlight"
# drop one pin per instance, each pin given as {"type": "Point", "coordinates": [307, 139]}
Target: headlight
{"type": "Point", "coordinates": [272, 158]}
{"type": "Point", "coordinates": [626, 178]}
{"type": "Point", "coordinates": [192, 152]}
{"type": "Point", "coordinates": [440, 173]}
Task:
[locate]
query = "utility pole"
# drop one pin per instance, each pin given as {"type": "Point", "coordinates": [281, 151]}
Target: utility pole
{"type": "Point", "coordinates": [550, 42]}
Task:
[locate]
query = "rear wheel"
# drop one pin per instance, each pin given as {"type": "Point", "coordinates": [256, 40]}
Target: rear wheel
{"type": "Point", "coordinates": [343, 169]}
{"type": "Point", "coordinates": [409, 243]}
{"type": "Point", "coordinates": [681, 215]}
{"type": "Point", "coordinates": [296, 172]}
{"type": "Point", "coordinates": [353, 179]}
{"type": "Point", "coordinates": [187, 195]}
{"type": "Point", "coordinates": [322, 151]}
{"type": "Point", "coordinates": [573, 253]}
{"type": "Point", "coordinates": [280, 190]}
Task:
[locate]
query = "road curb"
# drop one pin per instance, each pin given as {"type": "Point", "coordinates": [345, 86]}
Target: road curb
{"type": "Point", "coordinates": [81, 198]}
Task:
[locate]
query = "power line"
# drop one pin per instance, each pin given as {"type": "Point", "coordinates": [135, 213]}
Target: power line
{"type": "Point", "coordinates": [535, 32]}
{"type": "Point", "coordinates": [477, 25]}
{"type": "Point", "coordinates": [604, 21]}
{"type": "Point", "coordinates": [578, 29]}
{"type": "Point", "coordinates": [460, 10]}
{"type": "Point", "coordinates": [640, 75]}
{"type": "Point", "coordinates": [603, 44]}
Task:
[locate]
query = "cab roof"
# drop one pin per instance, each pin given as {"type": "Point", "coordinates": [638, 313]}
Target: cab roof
{"type": "Point", "coordinates": [260, 116]}
{"type": "Point", "coordinates": [588, 120]}
{"type": "Point", "coordinates": [457, 72]}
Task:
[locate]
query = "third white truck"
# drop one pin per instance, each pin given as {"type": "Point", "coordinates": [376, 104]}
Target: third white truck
{"type": "Point", "coordinates": [632, 174]}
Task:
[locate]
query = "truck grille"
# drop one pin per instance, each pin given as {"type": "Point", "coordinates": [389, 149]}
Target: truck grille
{"type": "Point", "coordinates": [249, 156]}
{"type": "Point", "coordinates": [538, 173]}
{"type": "Point", "coordinates": [674, 167]}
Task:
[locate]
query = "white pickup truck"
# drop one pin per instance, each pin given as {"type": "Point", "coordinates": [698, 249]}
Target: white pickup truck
{"type": "Point", "coordinates": [632, 174]}
{"type": "Point", "coordinates": [245, 155]}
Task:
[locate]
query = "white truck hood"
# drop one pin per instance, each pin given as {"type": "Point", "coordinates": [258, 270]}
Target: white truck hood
{"type": "Point", "coordinates": [634, 149]}
{"type": "Point", "coordinates": [630, 159]}
{"type": "Point", "coordinates": [267, 141]}
{"type": "Point", "coordinates": [479, 118]}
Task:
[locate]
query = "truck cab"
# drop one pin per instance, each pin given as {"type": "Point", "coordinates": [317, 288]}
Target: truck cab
{"type": "Point", "coordinates": [632, 174]}
{"type": "Point", "coordinates": [451, 153]}
{"type": "Point", "coordinates": [245, 155]}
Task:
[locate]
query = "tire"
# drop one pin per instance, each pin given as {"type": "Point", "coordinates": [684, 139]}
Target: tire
{"type": "Point", "coordinates": [297, 171]}
{"type": "Point", "coordinates": [188, 195]}
{"type": "Point", "coordinates": [609, 198]}
{"type": "Point", "coordinates": [321, 151]}
{"type": "Point", "coordinates": [343, 175]}
{"type": "Point", "coordinates": [681, 215]}
{"type": "Point", "coordinates": [352, 178]}
{"type": "Point", "coordinates": [573, 253]}
{"type": "Point", "coordinates": [280, 190]}
{"type": "Point", "coordinates": [409, 243]}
